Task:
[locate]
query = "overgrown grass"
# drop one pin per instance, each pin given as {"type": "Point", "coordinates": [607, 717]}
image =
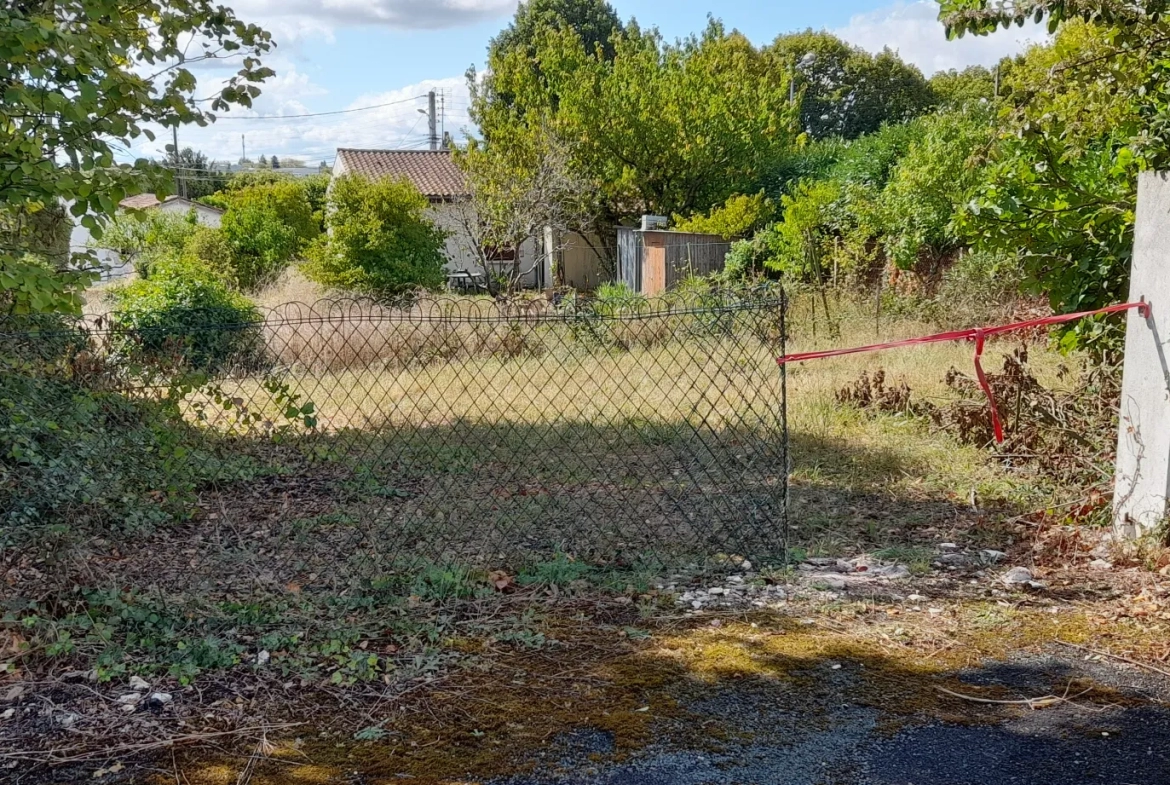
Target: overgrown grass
{"type": "Point", "coordinates": [487, 454]}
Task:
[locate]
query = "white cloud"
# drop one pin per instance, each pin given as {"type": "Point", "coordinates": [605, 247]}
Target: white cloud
{"type": "Point", "coordinates": [292, 19]}
{"type": "Point", "coordinates": [913, 30]}
{"type": "Point", "coordinates": [316, 138]}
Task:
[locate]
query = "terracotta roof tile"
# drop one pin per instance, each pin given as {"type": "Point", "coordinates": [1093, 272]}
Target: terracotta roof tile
{"type": "Point", "coordinates": [146, 201]}
{"type": "Point", "coordinates": [140, 202]}
{"type": "Point", "coordinates": [433, 172]}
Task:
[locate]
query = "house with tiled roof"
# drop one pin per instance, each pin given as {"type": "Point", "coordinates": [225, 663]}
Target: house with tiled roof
{"type": "Point", "coordinates": [437, 177]}
{"type": "Point", "coordinates": [433, 172]}
{"type": "Point", "coordinates": [204, 214]}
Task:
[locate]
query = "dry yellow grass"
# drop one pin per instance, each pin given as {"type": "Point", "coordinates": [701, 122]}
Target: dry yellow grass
{"type": "Point", "coordinates": [447, 384]}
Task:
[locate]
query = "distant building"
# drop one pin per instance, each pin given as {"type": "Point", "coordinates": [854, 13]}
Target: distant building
{"type": "Point", "coordinates": [435, 174]}
{"type": "Point", "coordinates": [204, 214]}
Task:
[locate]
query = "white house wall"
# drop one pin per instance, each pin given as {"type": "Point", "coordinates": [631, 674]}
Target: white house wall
{"type": "Point", "coordinates": [460, 248]}
{"type": "Point", "coordinates": [205, 215]}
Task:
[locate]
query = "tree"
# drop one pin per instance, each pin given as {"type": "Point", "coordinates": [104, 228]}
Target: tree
{"type": "Point", "coordinates": [846, 91]}
{"type": "Point", "coordinates": [200, 177]}
{"type": "Point", "coordinates": [523, 193]}
{"type": "Point", "coordinates": [985, 16]}
{"type": "Point", "coordinates": [267, 225]}
{"type": "Point", "coordinates": [263, 162]}
{"type": "Point", "coordinates": [275, 162]}
{"type": "Point", "coordinates": [1060, 186]}
{"type": "Point", "coordinates": [955, 89]}
{"type": "Point", "coordinates": [928, 187]}
{"type": "Point", "coordinates": [594, 21]}
{"type": "Point", "coordinates": [83, 78]}
{"type": "Point", "coordinates": [662, 128]}
{"type": "Point", "coordinates": [379, 239]}
{"type": "Point", "coordinates": [737, 217]}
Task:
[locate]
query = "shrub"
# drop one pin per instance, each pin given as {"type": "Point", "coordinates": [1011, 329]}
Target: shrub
{"type": "Point", "coordinates": [144, 238]}
{"type": "Point", "coordinates": [210, 248]}
{"type": "Point", "coordinates": [185, 313]}
{"type": "Point", "coordinates": [74, 456]}
{"type": "Point", "coordinates": [316, 190]}
{"type": "Point", "coordinates": [979, 288]}
{"type": "Point", "coordinates": [614, 299]}
{"type": "Point", "coordinates": [267, 225]}
{"type": "Point", "coordinates": [379, 239]}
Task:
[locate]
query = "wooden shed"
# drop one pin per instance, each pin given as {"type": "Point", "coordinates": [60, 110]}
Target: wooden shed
{"type": "Point", "coordinates": [652, 261]}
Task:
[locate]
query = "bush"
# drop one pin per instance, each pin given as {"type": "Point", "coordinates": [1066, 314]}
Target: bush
{"type": "Point", "coordinates": [144, 238]}
{"type": "Point", "coordinates": [184, 313]}
{"type": "Point", "coordinates": [979, 288]}
{"type": "Point", "coordinates": [266, 226]}
{"type": "Point", "coordinates": [316, 190]}
{"type": "Point", "coordinates": [616, 299]}
{"type": "Point", "coordinates": [74, 456]}
{"type": "Point", "coordinates": [379, 239]}
{"type": "Point", "coordinates": [210, 248]}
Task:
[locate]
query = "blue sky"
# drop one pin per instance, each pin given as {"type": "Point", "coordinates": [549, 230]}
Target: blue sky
{"type": "Point", "coordinates": [343, 54]}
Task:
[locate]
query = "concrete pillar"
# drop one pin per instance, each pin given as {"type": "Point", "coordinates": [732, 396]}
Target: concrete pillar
{"type": "Point", "coordinates": [1142, 482]}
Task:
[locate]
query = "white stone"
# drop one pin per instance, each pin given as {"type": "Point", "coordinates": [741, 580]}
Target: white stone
{"type": "Point", "coordinates": [262, 657]}
{"type": "Point", "coordinates": [716, 590]}
{"type": "Point", "coordinates": [1100, 564]}
{"type": "Point", "coordinates": [948, 546]}
{"type": "Point", "coordinates": [991, 556]}
{"type": "Point", "coordinates": [832, 582]}
{"type": "Point", "coordinates": [138, 683]}
{"type": "Point", "coordinates": [130, 698]}
{"type": "Point", "coordinates": [1017, 575]}
{"type": "Point", "coordinates": [1142, 479]}
{"type": "Point", "coordinates": [8, 714]}
{"type": "Point", "coordinates": [161, 697]}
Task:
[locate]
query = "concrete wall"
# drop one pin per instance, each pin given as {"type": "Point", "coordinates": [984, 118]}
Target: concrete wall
{"type": "Point", "coordinates": [1142, 482]}
{"type": "Point", "coordinates": [208, 216]}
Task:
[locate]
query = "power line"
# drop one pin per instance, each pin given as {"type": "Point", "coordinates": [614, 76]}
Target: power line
{"type": "Point", "coordinates": [319, 114]}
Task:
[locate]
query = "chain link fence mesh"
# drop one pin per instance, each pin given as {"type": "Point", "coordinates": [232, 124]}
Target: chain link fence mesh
{"type": "Point", "coordinates": [346, 439]}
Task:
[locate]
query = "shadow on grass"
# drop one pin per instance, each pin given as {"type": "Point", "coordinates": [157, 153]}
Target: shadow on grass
{"type": "Point", "coordinates": [503, 494]}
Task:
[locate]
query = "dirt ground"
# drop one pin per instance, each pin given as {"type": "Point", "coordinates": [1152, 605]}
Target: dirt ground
{"type": "Point", "coordinates": [838, 672]}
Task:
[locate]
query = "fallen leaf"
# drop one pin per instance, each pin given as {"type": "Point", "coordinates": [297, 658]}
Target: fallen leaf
{"type": "Point", "coordinates": [501, 580]}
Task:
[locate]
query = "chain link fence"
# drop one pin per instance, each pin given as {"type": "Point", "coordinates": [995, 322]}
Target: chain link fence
{"type": "Point", "coordinates": [345, 439]}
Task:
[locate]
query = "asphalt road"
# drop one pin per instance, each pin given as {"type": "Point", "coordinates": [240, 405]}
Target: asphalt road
{"type": "Point", "coordinates": [1072, 743]}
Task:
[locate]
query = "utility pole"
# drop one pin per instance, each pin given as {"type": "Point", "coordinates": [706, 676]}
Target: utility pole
{"type": "Point", "coordinates": [178, 175]}
{"type": "Point", "coordinates": [432, 121]}
{"type": "Point", "coordinates": [243, 151]}
{"type": "Point", "coordinates": [443, 117]}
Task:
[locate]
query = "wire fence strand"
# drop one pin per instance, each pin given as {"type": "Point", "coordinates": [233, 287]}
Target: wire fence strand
{"type": "Point", "coordinates": [356, 437]}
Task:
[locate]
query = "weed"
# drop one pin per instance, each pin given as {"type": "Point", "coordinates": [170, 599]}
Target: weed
{"type": "Point", "coordinates": [561, 570]}
{"type": "Point", "coordinates": [916, 558]}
